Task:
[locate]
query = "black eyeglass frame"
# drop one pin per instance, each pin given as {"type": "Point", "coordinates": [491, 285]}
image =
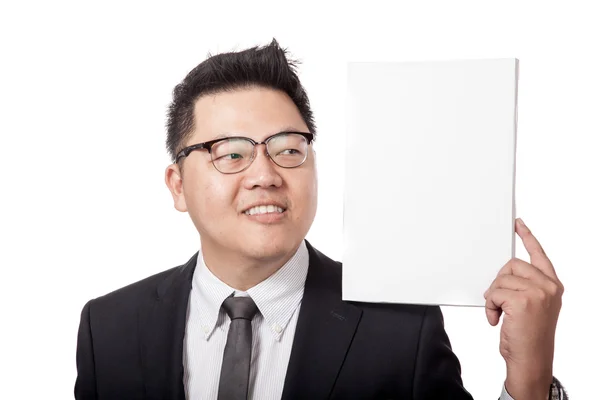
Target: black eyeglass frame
{"type": "Point", "coordinates": [310, 137]}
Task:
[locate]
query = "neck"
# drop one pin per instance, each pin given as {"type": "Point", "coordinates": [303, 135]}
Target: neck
{"type": "Point", "coordinates": [242, 272]}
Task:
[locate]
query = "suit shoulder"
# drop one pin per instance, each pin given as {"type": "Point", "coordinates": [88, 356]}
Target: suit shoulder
{"type": "Point", "coordinates": [140, 286]}
{"type": "Point", "coordinates": [331, 266]}
{"type": "Point", "coordinates": [143, 289]}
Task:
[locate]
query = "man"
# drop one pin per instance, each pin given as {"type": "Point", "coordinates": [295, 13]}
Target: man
{"type": "Point", "coordinates": [257, 312]}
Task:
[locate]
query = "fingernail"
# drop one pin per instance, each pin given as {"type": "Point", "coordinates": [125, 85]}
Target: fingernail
{"type": "Point", "coordinates": [523, 226]}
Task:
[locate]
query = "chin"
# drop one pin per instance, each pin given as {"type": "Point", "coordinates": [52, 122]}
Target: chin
{"type": "Point", "coordinates": [269, 248]}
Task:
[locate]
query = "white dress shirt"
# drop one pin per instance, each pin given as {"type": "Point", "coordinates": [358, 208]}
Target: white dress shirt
{"type": "Point", "coordinates": [278, 299]}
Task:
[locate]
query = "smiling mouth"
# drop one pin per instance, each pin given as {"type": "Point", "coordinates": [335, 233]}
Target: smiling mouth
{"type": "Point", "coordinates": [265, 209]}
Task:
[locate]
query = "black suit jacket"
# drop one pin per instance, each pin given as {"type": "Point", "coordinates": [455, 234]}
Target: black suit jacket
{"type": "Point", "coordinates": [130, 343]}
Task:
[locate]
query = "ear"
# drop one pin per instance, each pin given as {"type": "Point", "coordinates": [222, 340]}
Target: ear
{"type": "Point", "coordinates": [174, 181]}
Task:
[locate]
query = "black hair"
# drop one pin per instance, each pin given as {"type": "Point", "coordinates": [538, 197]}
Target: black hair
{"type": "Point", "coordinates": [266, 66]}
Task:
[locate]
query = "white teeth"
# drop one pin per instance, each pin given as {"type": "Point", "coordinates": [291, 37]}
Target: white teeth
{"type": "Point", "coordinates": [264, 210]}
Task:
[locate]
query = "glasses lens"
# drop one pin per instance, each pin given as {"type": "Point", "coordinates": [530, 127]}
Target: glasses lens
{"type": "Point", "coordinates": [232, 155]}
{"type": "Point", "coordinates": [288, 150]}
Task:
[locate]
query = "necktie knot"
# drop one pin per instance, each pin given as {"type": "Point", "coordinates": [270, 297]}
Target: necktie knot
{"type": "Point", "coordinates": [240, 307]}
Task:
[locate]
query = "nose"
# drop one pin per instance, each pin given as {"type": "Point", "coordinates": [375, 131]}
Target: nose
{"type": "Point", "coordinates": [262, 172]}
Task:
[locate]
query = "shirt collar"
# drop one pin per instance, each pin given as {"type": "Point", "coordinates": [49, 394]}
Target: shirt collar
{"type": "Point", "coordinates": [277, 297]}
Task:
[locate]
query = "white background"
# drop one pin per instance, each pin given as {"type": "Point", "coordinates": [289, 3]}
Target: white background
{"type": "Point", "coordinates": [84, 209]}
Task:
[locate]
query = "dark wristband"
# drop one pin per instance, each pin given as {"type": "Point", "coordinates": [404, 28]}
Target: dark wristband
{"type": "Point", "coordinates": [557, 392]}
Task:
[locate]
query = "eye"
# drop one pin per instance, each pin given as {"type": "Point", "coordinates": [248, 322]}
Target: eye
{"type": "Point", "coordinates": [289, 152]}
{"type": "Point", "coordinates": [231, 156]}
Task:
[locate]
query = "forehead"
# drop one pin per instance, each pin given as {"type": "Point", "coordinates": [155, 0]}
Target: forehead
{"type": "Point", "coordinates": [253, 112]}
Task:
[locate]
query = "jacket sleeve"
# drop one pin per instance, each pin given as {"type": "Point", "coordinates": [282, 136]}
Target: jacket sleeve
{"type": "Point", "coordinates": [437, 369]}
{"type": "Point", "coordinates": [85, 384]}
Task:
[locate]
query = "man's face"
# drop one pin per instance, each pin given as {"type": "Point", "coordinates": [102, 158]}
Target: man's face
{"type": "Point", "coordinates": [217, 202]}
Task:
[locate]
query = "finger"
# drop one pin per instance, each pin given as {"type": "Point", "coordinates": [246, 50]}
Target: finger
{"type": "Point", "coordinates": [523, 269]}
{"type": "Point", "coordinates": [511, 282]}
{"type": "Point", "coordinates": [508, 282]}
{"type": "Point", "coordinates": [525, 277]}
{"type": "Point", "coordinates": [535, 250]}
{"type": "Point", "coordinates": [493, 316]}
{"type": "Point", "coordinates": [494, 303]}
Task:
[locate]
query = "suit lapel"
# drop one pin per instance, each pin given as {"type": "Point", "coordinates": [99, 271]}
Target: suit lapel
{"type": "Point", "coordinates": [162, 329]}
{"type": "Point", "coordinates": [325, 329]}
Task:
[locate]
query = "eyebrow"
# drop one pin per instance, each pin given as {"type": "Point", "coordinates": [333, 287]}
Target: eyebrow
{"type": "Point", "coordinates": [287, 128]}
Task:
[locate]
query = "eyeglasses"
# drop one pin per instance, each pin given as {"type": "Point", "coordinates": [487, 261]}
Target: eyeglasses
{"type": "Point", "coordinates": [234, 154]}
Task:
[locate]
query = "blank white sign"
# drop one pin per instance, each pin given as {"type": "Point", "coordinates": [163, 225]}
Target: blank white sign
{"type": "Point", "coordinates": [429, 205]}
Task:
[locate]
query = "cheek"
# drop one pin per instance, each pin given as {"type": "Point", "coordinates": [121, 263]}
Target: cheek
{"type": "Point", "coordinates": [208, 199]}
{"type": "Point", "coordinates": [306, 195]}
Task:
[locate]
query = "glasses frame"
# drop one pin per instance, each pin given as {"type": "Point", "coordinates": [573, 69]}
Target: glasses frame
{"type": "Point", "coordinates": [310, 137]}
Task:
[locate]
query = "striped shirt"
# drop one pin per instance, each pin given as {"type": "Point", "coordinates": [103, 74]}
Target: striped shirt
{"type": "Point", "coordinates": [278, 300]}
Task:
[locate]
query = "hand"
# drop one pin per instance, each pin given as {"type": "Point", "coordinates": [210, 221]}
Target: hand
{"type": "Point", "coordinates": [530, 296]}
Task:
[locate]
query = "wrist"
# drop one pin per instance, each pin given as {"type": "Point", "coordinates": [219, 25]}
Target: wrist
{"type": "Point", "coordinates": [527, 385]}
{"type": "Point", "coordinates": [527, 393]}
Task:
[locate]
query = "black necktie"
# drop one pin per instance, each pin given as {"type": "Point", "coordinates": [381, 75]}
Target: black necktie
{"type": "Point", "coordinates": [235, 371]}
